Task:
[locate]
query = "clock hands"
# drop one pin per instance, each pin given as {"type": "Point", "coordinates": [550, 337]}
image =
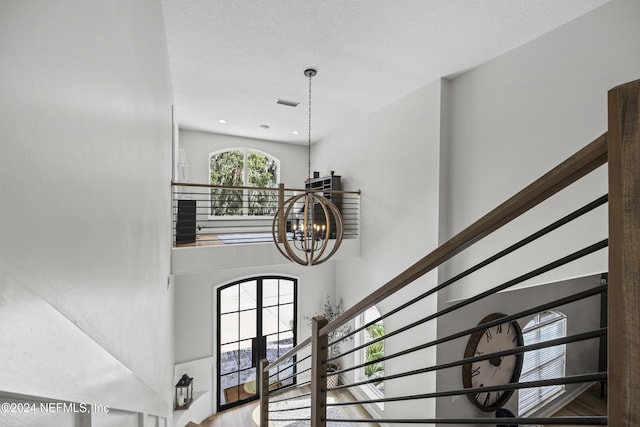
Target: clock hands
{"type": "Point", "coordinates": [495, 371]}
{"type": "Point", "coordinates": [496, 361]}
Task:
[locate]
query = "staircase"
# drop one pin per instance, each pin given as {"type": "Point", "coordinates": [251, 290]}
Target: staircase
{"type": "Point", "coordinates": [412, 372]}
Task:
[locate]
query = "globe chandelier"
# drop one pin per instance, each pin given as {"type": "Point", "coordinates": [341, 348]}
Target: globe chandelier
{"type": "Point", "coordinates": [316, 225]}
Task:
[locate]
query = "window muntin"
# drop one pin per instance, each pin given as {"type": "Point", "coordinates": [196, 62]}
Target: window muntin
{"type": "Point", "coordinates": [243, 167]}
{"type": "Point", "coordinates": [545, 363]}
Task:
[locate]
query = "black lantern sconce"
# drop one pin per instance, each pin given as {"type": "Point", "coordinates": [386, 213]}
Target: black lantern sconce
{"type": "Point", "coordinates": [184, 392]}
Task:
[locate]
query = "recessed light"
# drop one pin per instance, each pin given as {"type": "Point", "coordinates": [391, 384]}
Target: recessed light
{"type": "Point", "coordinates": [295, 132]}
{"type": "Point", "coordinates": [222, 121]}
{"type": "Point", "coordinates": [265, 126]}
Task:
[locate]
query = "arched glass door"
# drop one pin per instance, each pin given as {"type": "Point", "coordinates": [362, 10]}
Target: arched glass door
{"type": "Point", "coordinates": [256, 319]}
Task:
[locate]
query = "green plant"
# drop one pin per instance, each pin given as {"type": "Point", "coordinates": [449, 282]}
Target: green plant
{"type": "Point", "coordinates": [374, 351]}
{"type": "Point", "coordinates": [332, 312]}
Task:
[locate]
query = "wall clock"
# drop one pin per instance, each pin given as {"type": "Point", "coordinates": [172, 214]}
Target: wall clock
{"type": "Point", "coordinates": [494, 371]}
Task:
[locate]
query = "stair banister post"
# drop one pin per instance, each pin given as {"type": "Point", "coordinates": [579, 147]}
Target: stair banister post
{"type": "Point", "coordinates": [319, 344]}
{"type": "Point", "coordinates": [264, 393]}
{"type": "Point", "coordinates": [623, 139]}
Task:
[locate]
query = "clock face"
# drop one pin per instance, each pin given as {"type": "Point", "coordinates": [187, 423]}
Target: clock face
{"type": "Point", "coordinates": [494, 371]}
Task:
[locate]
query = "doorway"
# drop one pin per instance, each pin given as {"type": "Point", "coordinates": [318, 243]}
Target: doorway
{"type": "Point", "coordinates": [256, 320]}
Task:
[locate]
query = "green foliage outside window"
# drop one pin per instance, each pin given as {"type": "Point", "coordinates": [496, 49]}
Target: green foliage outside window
{"type": "Point", "coordinates": [243, 168]}
{"type": "Point", "coordinates": [226, 169]}
{"type": "Point", "coordinates": [374, 352]}
{"type": "Point", "coordinates": [262, 172]}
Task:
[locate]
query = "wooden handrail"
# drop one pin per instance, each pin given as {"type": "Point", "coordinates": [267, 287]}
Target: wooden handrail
{"type": "Point", "coordinates": [580, 164]}
{"type": "Point", "coordinates": [575, 167]}
{"type": "Point", "coordinates": [222, 187]}
{"type": "Point", "coordinates": [302, 190]}
{"type": "Point", "coordinates": [620, 146]}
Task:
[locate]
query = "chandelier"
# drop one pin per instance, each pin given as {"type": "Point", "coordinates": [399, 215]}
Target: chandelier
{"type": "Point", "coordinates": [316, 227]}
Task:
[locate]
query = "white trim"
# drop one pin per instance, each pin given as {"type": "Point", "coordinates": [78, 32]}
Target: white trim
{"type": "Point", "coordinates": [366, 391]}
{"type": "Point", "coordinates": [559, 402]}
{"type": "Point", "coordinates": [360, 393]}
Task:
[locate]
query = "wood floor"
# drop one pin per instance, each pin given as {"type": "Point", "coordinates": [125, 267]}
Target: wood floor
{"type": "Point", "coordinates": [588, 403]}
{"type": "Point", "coordinates": [247, 415]}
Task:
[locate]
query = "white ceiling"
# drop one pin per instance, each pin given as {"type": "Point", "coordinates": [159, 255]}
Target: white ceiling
{"type": "Point", "coordinates": [232, 59]}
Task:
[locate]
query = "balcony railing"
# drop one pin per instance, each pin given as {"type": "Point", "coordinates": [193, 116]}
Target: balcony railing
{"type": "Point", "coordinates": [414, 364]}
{"type": "Point", "coordinates": [216, 215]}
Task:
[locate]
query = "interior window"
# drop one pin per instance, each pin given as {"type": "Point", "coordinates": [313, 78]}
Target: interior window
{"type": "Point", "coordinates": [545, 363]}
{"type": "Point", "coordinates": [374, 351]}
{"type": "Point", "coordinates": [243, 167]}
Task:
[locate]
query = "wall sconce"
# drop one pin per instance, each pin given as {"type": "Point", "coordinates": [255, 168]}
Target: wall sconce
{"type": "Point", "coordinates": [184, 392]}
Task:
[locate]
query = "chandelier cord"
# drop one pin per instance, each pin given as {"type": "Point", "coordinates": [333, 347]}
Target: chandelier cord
{"type": "Point", "coordinates": [309, 144]}
{"type": "Point", "coordinates": [311, 238]}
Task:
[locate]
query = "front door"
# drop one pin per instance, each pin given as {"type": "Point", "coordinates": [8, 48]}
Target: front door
{"type": "Point", "coordinates": [256, 319]}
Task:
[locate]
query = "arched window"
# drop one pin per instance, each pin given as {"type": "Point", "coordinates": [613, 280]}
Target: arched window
{"type": "Point", "coordinates": [372, 352]}
{"type": "Point", "coordinates": [243, 167]}
{"type": "Point", "coordinates": [542, 364]}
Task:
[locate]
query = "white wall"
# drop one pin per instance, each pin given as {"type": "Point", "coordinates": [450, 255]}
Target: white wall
{"type": "Point", "coordinates": [582, 357]}
{"type": "Point", "coordinates": [509, 121]}
{"type": "Point", "coordinates": [516, 117]}
{"type": "Point", "coordinates": [200, 271]}
{"type": "Point", "coordinates": [85, 171]}
{"type": "Point", "coordinates": [198, 145]}
{"type": "Point", "coordinates": [393, 157]}
{"type": "Point", "coordinates": [196, 296]}
{"type": "Point", "coordinates": [115, 419]}
{"type": "Point", "coordinates": [195, 308]}
{"type": "Point", "coordinates": [498, 127]}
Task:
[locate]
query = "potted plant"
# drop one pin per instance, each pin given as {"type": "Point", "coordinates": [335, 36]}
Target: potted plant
{"type": "Point", "coordinates": [330, 313]}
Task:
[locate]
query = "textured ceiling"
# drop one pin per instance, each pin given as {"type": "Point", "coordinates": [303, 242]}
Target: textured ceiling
{"type": "Point", "coordinates": [232, 59]}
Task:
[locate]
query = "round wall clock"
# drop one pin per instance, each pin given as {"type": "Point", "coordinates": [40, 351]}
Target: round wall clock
{"type": "Point", "coordinates": [494, 371]}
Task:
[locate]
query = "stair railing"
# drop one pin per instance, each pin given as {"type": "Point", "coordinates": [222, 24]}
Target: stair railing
{"type": "Point", "coordinates": [205, 214]}
{"type": "Point", "coordinates": [620, 146]}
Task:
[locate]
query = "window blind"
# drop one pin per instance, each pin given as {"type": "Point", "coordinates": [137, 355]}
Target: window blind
{"type": "Point", "coordinates": [545, 363]}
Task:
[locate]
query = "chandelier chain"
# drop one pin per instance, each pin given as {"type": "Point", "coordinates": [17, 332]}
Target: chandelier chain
{"type": "Point", "coordinates": [309, 144]}
{"type": "Point", "coordinates": [309, 234]}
